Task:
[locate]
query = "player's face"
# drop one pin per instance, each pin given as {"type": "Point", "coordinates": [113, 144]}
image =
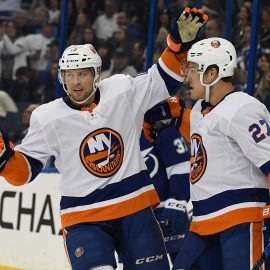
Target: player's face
{"type": "Point", "coordinates": [197, 90]}
{"type": "Point", "coordinates": [79, 83]}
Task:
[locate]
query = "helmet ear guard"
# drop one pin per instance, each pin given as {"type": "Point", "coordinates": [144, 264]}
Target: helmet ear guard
{"type": "Point", "coordinates": [213, 51]}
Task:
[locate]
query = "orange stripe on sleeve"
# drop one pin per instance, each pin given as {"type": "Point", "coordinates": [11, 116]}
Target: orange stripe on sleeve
{"type": "Point", "coordinates": [176, 63]}
{"type": "Point", "coordinates": [227, 220]}
{"type": "Point", "coordinates": [185, 125]}
{"type": "Point", "coordinates": [16, 171]}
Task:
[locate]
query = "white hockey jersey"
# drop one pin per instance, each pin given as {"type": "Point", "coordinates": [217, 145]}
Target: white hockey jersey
{"type": "Point", "coordinates": [103, 173]}
{"type": "Point", "coordinates": [230, 149]}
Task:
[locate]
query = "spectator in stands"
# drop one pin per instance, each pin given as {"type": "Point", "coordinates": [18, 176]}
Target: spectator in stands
{"type": "Point", "coordinates": [121, 39]}
{"type": "Point", "coordinates": [243, 53]}
{"type": "Point", "coordinates": [17, 138]}
{"type": "Point", "coordinates": [21, 19]}
{"type": "Point", "coordinates": [213, 8]}
{"type": "Point", "coordinates": [243, 20]}
{"type": "Point", "coordinates": [265, 29]}
{"type": "Point", "coordinates": [262, 85]}
{"type": "Point", "coordinates": [39, 60]}
{"type": "Point", "coordinates": [164, 19]}
{"type": "Point", "coordinates": [90, 37]}
{"type": "Point", "coordinates": [9, 32]}
{"type": "Point", "coordinates": [266, 100]}
{"type": "Point", "coordinates": [263, 67]}
{"type": "Point", "coordinates": [105, 24]}
{"type": "Point", "coordinates": [41, 16]}
{"type": "Point", "coordinates": [54, 11]}
{"type": "Point", "coordinates": [25, 86]}
{"type": "Point", "coordinates": [77, 33]}
{"type": "Point", "coordinates": [105, 52]}
{"type": "Point", "coordinates": [47, 91]}
{"type": "Point", "coordinates": [138, 56]}
{"type": "Point", "coordinates": [7, 104]}
{"type": "Point", "coordinates": [123, 19]}
{"type": "Point", "coordinates": [160, 43]}
{"type": "Point", "coordinates": [213, 28]}
{"type": "Point", "coordinates": [14, 51]}
{"type": "Point", "coordinates": [119, 65]}
{"type": "Point", "coordinates": [52, 52]}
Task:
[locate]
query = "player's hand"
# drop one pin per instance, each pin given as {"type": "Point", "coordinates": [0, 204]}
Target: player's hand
{"type": "Point", "coordinates": [170, 109]}
{"type": "Point", "coordinates": [150, 132]}
{"type": "Point", "coordinates": [6, 149]}
{"type": "Point", "coordinates": [167, 109]}
{"type": "Point", "coordinates": [184, 29]}
{"type": "Point", "coordinates": [173, 218]}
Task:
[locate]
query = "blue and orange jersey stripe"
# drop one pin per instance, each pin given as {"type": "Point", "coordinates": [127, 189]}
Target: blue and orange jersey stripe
{"type": "Point", "coordinates": [111, 210]}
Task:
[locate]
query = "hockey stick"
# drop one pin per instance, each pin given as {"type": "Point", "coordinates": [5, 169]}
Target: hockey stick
{"type": "Point", "coordinates": [263, 258]}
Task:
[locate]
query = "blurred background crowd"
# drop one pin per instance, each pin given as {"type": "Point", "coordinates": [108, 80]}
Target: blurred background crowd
{"type": "Point", "coordinates": [29, 43]}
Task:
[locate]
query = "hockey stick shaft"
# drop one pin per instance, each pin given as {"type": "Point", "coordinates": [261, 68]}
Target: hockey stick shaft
{"type": "Point", "coordinates": [263, 258]}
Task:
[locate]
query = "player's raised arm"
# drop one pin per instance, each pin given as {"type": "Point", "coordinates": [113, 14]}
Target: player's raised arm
{"type": "Point", "coordinates": [183, 34]}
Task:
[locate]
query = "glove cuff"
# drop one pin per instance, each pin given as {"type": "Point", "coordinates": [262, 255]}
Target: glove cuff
{"type": "Point", "coordinates": [175, 47]}
{"type": "Point", "coordinates": [266, 212]}
{"type": "Point", "coordinates": [176, 205]}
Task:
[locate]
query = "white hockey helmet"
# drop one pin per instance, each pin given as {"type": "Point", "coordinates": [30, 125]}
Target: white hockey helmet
{"type": "Point", "coordinates": [213, 51]}
{"type": "Point", "coordinates": [77, 57]}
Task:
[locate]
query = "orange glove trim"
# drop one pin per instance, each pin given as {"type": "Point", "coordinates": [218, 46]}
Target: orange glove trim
{"type": "Point", "coordinates": [172, 45]}
{"type": "Point", "coordinates": [174, 106]}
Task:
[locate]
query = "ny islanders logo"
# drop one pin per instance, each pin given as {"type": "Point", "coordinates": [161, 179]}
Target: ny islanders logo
{"type": "Point", "coordinates": [102, 152]}
{"type": "Point", "coordinates": [198, 158]}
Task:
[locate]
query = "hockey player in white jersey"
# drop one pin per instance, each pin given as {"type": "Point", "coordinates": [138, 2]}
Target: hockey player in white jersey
{"type": "Point", "coordinates": [230, 160]}
{"type": "Point", "coordinates": [93, 134]}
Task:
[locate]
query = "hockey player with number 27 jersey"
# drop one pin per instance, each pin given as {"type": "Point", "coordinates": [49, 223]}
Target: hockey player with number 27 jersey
{"type": "Point", "coordinates": [230, 160]}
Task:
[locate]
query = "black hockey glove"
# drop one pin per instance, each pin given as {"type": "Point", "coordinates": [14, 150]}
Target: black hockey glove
{"type": "Point", "coordinates": [169, 108]}
{"type": "Point", "coordinates": [184, 29]}
{"type": "Point", "coordinates": [173, 218]}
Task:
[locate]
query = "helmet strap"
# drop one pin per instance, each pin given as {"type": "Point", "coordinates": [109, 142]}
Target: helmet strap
{"type": "Point", "coordinates": [95, 85]}
{"type": "Point", "coordinates": [207, 86]}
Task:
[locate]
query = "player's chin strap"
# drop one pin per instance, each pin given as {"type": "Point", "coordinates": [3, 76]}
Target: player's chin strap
{"type": "Point", "coordinates": [207, 86]}
{"type": "Point", "coordinates": [95, 86]}
{"type": "Point", "coordinates": [85, 100]}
